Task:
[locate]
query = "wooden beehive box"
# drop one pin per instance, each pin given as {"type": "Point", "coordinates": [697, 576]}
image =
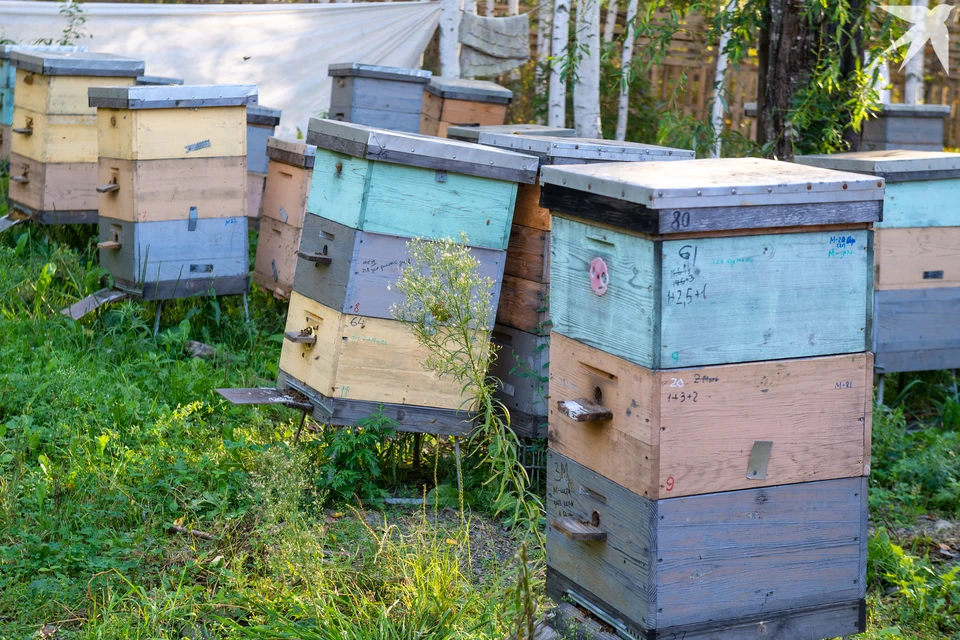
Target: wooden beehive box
{"type": "Point", "coordinates": [916, 127]}
{"type": "Point", "coordinates": [54, 149]}
{"type": "Point", "coordinates": [284, 208]}
{"type": "Point", "coordinates": [148, 81]}
{"type": "Point", "coordinates": [459, 101]}
{"type": "Point", "coordinates": [671, 265]}
{"type": "Point", "coordinates": [377, 96]}
{"type": "Point", "coordinates": [261, 124]}
{"type": "Point", "coordinates": [163, 242]}
{"type": "Point", "coordinates": [781, 562]}
{"type": "Point", "coordinates": [472, 133]}
{"type": "Point", "coordinates": [371, 192]}
{"type": "Point", "coordinates": [917, 256]}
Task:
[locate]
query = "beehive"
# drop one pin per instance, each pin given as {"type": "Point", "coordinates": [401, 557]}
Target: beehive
{"type": "Point", "coordinates": [284, 209]}
{"type": "Point", "coordinates": [147, 81]}
{"type": "Point", "coordinates": [372, 191]}
{"type": "Point", "coordinates": [172, 174]}
{"type": "Point", "coordinates": [261, 124]}
{"type": "Point", "coordinates": [710, 394]}
{"type": "Point", "coordinates": [915, 127]}
{"type": "Point", "coordinates": [916, 254]}
{"type": "Point", "coordinates": [523, 313]}
{"type": "Point", "coordinates": [377, 96]}
{"type": "Point", "coordinates": [472, 133]}
{"type": "Point", "coordinates": [53, 160]}
{"type": "Point", "coordinates": [459, 101]}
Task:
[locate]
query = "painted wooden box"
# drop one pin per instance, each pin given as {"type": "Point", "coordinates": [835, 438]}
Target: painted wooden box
{"type": "Point", "coordinates": [345, 356]}
{"type": "Point", "coordinates": [284, 209]}
{"type": "Point", "coordinates": [671, 265]}
{"type": "Point", "coordinates": [377, 96]}
{"type": "Point", "coordinates": [748, 562]}
{"type": "Point", "coordinates": [354, 271]}
{"type": "Point", "coordinates": [176, 258]}
{"type": "Point", "coordinates": [521, 365]}
{"type": "Point", "coordinates": [917, 329]}
{"type": "Point", "coordinates": [472, 133]}
{"type": "Point", "coordinates": [409, 185]}
{"type": "Point", "coordinates": [682, 432]}
{"type": "Point", "coordinates": [917, 127]}
{"type": "Point", "coordinates": [261, 123]}
{"type": "Point", "coordinates": [459, 101]}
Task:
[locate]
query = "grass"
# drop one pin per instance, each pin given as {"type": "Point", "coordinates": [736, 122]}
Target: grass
{"type": "Point", "coordinates": [110, 435]}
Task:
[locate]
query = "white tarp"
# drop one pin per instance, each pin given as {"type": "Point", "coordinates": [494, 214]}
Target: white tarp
{"type": "Point", "coordinates": [283, 48]}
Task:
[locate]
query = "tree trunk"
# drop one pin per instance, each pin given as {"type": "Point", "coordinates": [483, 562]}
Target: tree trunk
{"type": "Point", "coordinates": [450, 38]}
{"type": "Point", "coordinates": [470, 6]}
{"type": "Point", "coordinates": [542, 71]}
{"type": "Point", "coordinates": [611, 24]}
{"type": "Point", "coordinates": [913, 82]}
{"type": "Point", "coordinates": [559, 37]}
{"type": "Point", "coordinates": [490, 5]}
{"type": "Point", "coordinates": [586, 86]}
{"type": "Point", "coordinates": [513, 7]}
{"type": "Point", "coordinates": [626, 59]}
{"type": "Point", "coordinates": [719, 80]}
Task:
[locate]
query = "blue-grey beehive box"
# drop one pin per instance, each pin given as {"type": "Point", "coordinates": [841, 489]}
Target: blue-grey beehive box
{"type": "Point", "coordinates": [377, 96]}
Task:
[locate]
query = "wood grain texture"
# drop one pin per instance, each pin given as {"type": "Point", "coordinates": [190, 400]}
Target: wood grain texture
{"type": "Point", "coordinates": [921, 203]}
{"type": "Point", "coordinates": [162, 190]}
{"type": "Point", "coordinates": [376, 93]}
{"type": "Point", "coordinates": [431, 108]}
{"type": "Point", "coordinates": [257, 147]}
{"type": "Point", "coordinates": [154, 252]}
{"type": "Point", "coordinates": [625, 320]}
{"type": "Point", "coordinates": [61, 95]}
{"type": "Point", "coordinates": [276, 260]}
{"type": "Point", "coordinates": [459, 112]}
{"type": "Point", "coordinates": [53, 187]}
{"type": "Point", "coordinates": [256, 183]}
{"type": "Point", "coordinates": [522, 366]}
{"type": "Point", "coordinates": [429, 126]}
{"type": "Point", "coordinates": [917, 258]}
{"type": "Point", "coordinates": [160, 134]}
{"type": "Point", "coordinates": [287, 188]}
{"type": "Point", "coordinates": [55, 138]}
{"type": "Point", "coordinates": [528, 254]}
{"type": "Point", "coordinates": [917, 330]}
{"type": "Point", "coordinates": [528, 211]}
{"type": "Point", "coordinates": [361, 358]}
{"type": "Point", "coordinates": [338, 187]}
{"type": "Point", "coordinates": [326, 283]}
{"type": "Point", "coordinates": [6, 139]}
{"type": "Point", "coordinates": [382, 119]}
{"type": "Point", "coordinates": [524, 305]}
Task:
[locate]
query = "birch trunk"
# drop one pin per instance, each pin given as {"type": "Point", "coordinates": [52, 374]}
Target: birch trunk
{"type": "Point", "coordinates": [513, 7]}
{"type": "Point", "coordinates": [611, 24]}
{"type": "Point", "coordinates": [586, 86]}
{"type": "Point", "coordinates": [542, 70]}
{"type": "Point", "coordinates": [490, 5]}
{"type": "Point", "coordinates": [720, 79]}
{"type": "Point", "coordinates": [557, 105]}
{"type": "Point", "coordinates": [913, 82]}
{"type": "Point", "coordinates": [626, 59]}
{"type": "Point", "coordinates": [450, 38]}
{"type": "Point", "coordinates": [470, 6]}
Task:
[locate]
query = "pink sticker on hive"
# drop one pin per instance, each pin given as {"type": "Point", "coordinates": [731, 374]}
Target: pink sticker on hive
{"type": "Point", "coordinates": [599, 276]}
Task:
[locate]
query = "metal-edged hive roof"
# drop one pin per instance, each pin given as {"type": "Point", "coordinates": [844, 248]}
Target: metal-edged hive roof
{"type": "Point", "coordinates": [896, 165]}
{"type": "Point", "coordinates": [77, 63]}
{"type": "Point", "coordinates": [554, 150]}
{"type": "Point", "coordinates": [473, 90]}
{"type": "Point", "coordinates": [361, 70]}
{"type": "Point", "coordinates": [173, 96]}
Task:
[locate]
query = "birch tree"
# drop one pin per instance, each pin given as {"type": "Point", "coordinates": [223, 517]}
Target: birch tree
{"type": "Point", "coordinates": [490, 6]}
{"type": "Point", "coordinates": [560, 34]}
{"type": "Point", "coordinates": [611, 24]}
{"type": "Point", "coordinates": [450, 38]}
{"type": "Point", "coordinates": [543, 49]}
{"type": "Point", "coordinates": [913, 82]}
{"type": "Point", "coordinates": [586, 86]}
{"type": "Point", "coordinates": [626, 60]}
{"type": "Point", "coordinates": [720, 79]}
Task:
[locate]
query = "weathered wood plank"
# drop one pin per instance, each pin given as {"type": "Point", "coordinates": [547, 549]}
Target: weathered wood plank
{"type": "Point", "coordinates": [256, 182]}
{"type": "Point", "coordinates": [95, 300]}
{"type": "Point", "coordinates": [528, 211]}
{"type": "Point", "coordinates": [160, 134]}
{"type": "Point", "coordinates": [61, 187]}
{"type": "Point", "coordinates": [6, 140]}
{"type": "Point", "coordinates": [276, 261]}
{"type": "Point", "coordinates": [528, 254]}
{"type": "Point", "coordinates": [395, 121]}
{"type": "Point", "coordinates": [521, 364]}
{"type": "Point", "coordinates": [257, 136]}
{"type": "Point", "coordinates": [376, 93]}
{"type": "Point", "coordinates": [524, 305]}
{"type": "Point", "coordinates": [61, 95]}
{"type": "Point", "coordinates": [54, 138]}
{"type": "Point", "coordinates": [460, 112]}
{"type": "Point", "coordinates": [917, 330]}
{"type": "Point", "coordinates": [285, 194]}
{"type": "Point", "coordinates": [920, 203]}
{"type": "Point", "coordinates": [917, 258]}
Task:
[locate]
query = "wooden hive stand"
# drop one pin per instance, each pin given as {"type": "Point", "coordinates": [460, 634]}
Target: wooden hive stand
{"type": "Point", "coordinates": [377, 96]}
{"type": "Point", "coordinates": [53, 160]}
{"type": "Point", "coordinates": [917, 257]}
{"type": "Point", "coordinates": [289, 174]}
{"type": "Point", "coordinates": [373, 190]}
{"type": "Point", "coordinates": [710, 396]}
{"type": "Point", "coordinates": [523, 314]}
{"type": "Point", "coordinates": [459, 101]}
{"type": "Point", "coordinates": [261, 124]}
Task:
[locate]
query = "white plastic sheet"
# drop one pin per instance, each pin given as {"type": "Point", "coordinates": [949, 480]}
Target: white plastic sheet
{"type": "Point", "coordinates": [283, 48]}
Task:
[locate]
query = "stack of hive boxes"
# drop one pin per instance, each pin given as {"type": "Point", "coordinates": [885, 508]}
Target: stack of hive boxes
{"type": "Point", "coordinates": [523, 314]}
{"type": "Point", "coordinates": [458, 101]}
{"type": "Point", "coordinates": [376, 96]}
{"type": "Point", "coordinates": [261, 124]}
{"type": "Point", "coordinates": [53, 163]}
{"type": "Point", "coordinates": [172, 184]}
{"type": "Point", "coordinates": [471, 133]}
{"type": "Point", "coordinates": [284, 211]}
{"type": "Point", "coordinates": [917, 254]}
{"type": "Point", "coordinates": [372, 191]}
{"type": "Point", "coordinates": [8, 82]}
{"type": "Point", "coordinates": [710, 396]}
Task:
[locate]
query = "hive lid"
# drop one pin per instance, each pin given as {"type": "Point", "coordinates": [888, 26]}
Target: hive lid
{"type": "Point", "coordinates": [77, 63]}
{"type": "Point", "coordinates": [554, 150]}
{"type": "Point", "coordinates": [297, 153]}
{"type": "Point", "coordinates": [266, 116]}
{"type": "Point", "coordinates": [421, 151]}
{"type": "Point", "coordinates": [361, 70]}
{"type": "Point", "coordinates": [472, 133]}
{"type": "Point", "coordinates": [473, 90]}
{"type": "Point", "coordinates": [897, 165]}
{"type": "Point", "coordinates": [7, 49]}
{"type": "Point", "coordinates": [173, 96]}
{"type": "Point", "coordinates": [157, 80]}
{"type": "Point", "coordinates": [915, 110]}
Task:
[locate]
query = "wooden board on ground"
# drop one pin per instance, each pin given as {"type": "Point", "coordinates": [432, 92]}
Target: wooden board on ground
{"type": "Point", "coordinates": [917, 258]}
{"type": "Point", "coordinates": [61, 187]}
{"type": "Point", "coordinates": [693, 561]}
{"type": "Point", "coordinates": [685, 432]}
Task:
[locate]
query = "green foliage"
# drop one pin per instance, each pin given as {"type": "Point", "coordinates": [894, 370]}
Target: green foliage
{"type": "Point", "coordinates": [354, 464]}
{"type": "Point", "coordinates": [72, 11]}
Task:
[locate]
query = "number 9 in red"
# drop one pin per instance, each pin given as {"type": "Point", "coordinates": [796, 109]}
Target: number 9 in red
{"type": "Point", "coordinates": [670, 482]}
